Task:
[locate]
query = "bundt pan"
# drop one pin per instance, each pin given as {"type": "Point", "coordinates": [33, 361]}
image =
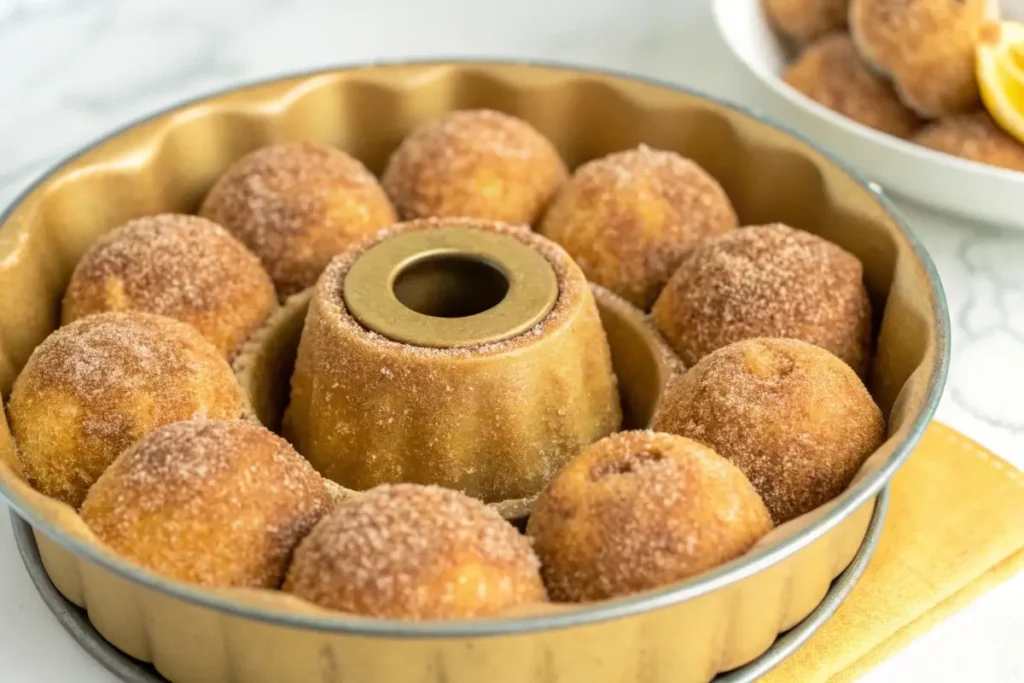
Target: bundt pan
{"type": "Point", "coordinates": [678, 634]}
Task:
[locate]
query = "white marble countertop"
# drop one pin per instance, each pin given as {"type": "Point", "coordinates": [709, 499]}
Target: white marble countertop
{"type": "Point", "coordinates": [71, 70]}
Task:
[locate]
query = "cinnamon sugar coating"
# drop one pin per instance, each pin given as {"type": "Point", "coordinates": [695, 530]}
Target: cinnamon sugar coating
{"type": "Point", "coordinates": [830, 72]}
{"type": "Point", "coordinates": [183, 267]}
{"type": "Point", "coordinates": [477, 163]}
{"type": "Point", "coordinates": [494, 420]}
{"type": "Point", "coordinates": [793, 417]}
{"type": "Point", "coordinates": [417, 553]}
{"type": "Point", "coordinates": [94, 387]}
{"type": "Point", "coordinates": [639, 510]}
{"type": "Point", "coordinates": [767, 281]}
{"type": "Point", "coordinates": [296, 205]}
{"type": "Point", "coordinates": [805, 20]}
{"type": "Point", "coordinates": [629, 218]}
{"type": "Point", "coordinates": [925, 46]}
{"type": "Point", "coordinates": [217, 503]}
{"type": "Point", "coordinates": [976, 137]}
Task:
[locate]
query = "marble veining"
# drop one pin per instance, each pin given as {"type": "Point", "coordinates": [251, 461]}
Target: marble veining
{"type": "Point", "coordinates": [73, 70]}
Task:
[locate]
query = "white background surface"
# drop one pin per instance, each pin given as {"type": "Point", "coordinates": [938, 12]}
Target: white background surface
{"type": "Point", "coordinates": [70, 70]}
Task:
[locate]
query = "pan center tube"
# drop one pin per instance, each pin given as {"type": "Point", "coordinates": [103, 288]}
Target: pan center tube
{"type": "Point", "coordinates": [450, 287]}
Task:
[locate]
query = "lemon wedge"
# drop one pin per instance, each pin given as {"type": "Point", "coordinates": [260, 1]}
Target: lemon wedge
{"type": "Point", "coordinates": [1000, 70]}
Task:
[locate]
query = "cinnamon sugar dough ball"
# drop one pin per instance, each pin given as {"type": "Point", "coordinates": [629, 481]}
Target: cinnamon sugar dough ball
{"type": "Point", "coordinates": [94, 387]}
{"type": "Point", "coordinates": [629, 218]}
{"type": "Point", "coordinates": [793, 417]}
{"type": "Point", "coordinates": [183, 267]}
{"type": "Point", "coordinates": [976, 137]}
{"type": "Point", "coordinates": [297, 205]}
{"type": "Point", "coordinates": [639, 510]}
{"type": "Point", "coordinates": [805, 20]}
{"type": "Point", "coordinates": [406, 551]}
{"type": "Point", "coordinates": [767, 281]}
{"type": "Point", "coordinates": [925, 46]}
{"type": "Point", "coordinates": [474, 163]}
{"type": "Point", "coordinates": [830, 72]}
{"type": "Point", "coordinates": [217, 503]}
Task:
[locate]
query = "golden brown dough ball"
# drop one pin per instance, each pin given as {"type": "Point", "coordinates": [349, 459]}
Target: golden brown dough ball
{"type": "Point", "coordinates": [639, 510]}
{"type": "Point", "coordinates": [767, 281]}
{"type": "Point", "coordinates": [925, 46]}
{"type": "Point", "coordinates": [629, 218]}
{"type": "Point", "coordinates": [217, 503]}
{"type": "Point", "coordinates": [94, 387]}
{"type": "Point", "coordinates": [976, 137]}
{"type": "Point", "coordinates": [793, 417]}
{"type": "Point", "coordinates": [805, 20]}
{"type": "Point", "coordinates": [183, 267]}
{"type": "Point", "coordinates": [831, 73]}
{"type": "Point", "coordinates": [474, 163]}
{"type": "Point", "coordinates": [296, 206]}
{"type": "Point", "coordinates": [406, 551]}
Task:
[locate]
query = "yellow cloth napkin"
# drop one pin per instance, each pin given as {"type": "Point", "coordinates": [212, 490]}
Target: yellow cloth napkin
{"type": "Point", "coordinates": [955, 529]}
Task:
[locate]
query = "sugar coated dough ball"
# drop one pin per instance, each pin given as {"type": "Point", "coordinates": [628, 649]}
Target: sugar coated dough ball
{"type": "Point", "coordinates": [925, 46]}
{"type": "Point", "coordinates": [793, 417]}
{"type": "Point", "coordinates": [476, 164]}
{"type": "Point", "coordinates": [94, 387]}
{"type": "Point", "coordinates": [297, 205]}
{"type": "Point", "coordinates": [629, 218]}
{"type": "Point", "coordinates": [804, 20]}
{"type": "Point", "coordinates": [217, 503]}
{"type": "Point", "coordinates": [182, 267]}
{"type": "Point", "coordinates": [830, 72]}
{"type": "Point", "coordinates": [767, 281]}
{"type": "Point", "coordinates": [976, 137]}
{"type": "Point", "coordinates": [406, 551]}
{"type": "Point", "coordinates": [639, 510]}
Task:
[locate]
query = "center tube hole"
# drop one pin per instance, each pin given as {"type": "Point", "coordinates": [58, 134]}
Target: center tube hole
{"type": "Point", "coordinates": [450, 285]}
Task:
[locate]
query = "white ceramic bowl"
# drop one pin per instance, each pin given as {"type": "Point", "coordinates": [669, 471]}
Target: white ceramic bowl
{"type": "Point", "coordinates": [939, 181]}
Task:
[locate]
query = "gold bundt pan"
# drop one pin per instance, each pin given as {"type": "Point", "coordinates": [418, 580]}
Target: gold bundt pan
{"type": "Point", "coordinates": [492, 404]}
{"type": "Point", "coordinates": [727, 616]}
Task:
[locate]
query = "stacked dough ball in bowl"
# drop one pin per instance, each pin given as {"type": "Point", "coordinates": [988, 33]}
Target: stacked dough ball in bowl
{"type": "Point", "coordinates": [910, 69]}
{"type": "Point", "coordinates": [131, 414]}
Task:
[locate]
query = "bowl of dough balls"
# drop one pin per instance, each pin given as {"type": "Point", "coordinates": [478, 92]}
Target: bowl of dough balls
{"type": "Point", "coordinates": [425, 371]}
{"type": "Point", "coordinates": [918, 96]}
